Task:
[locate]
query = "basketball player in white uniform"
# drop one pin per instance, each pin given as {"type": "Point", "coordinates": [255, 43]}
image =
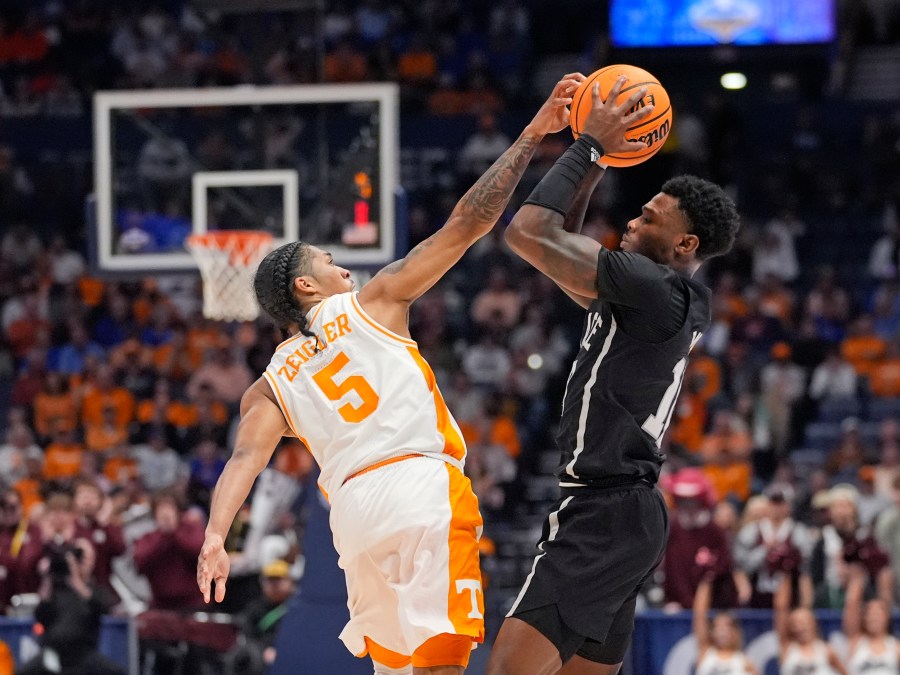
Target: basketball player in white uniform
{"type": "Point", "coordinates": [802, 651]}
{"type": "Point", "coordinates": [872, 650]}
{"type": "Point", "coordinates": [718, 640]}
{"type": "Point", "coordinates": [352, 385]}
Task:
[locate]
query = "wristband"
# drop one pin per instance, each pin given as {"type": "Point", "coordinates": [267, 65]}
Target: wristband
{"type": "Point", "coordinates": [558, 187]}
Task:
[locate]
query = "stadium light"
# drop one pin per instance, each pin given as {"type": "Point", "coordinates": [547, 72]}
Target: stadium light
{"type": "Point", "coordinates": [733, 81]}
{"type": "Point", "coordinates": [535, 361]}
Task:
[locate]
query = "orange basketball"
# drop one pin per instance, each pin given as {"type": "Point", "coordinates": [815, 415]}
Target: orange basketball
{"type": "Point", "coordinates": [651, 130]}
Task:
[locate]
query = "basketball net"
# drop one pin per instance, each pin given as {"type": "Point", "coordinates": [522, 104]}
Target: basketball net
{"type": "Point", "coordinates": [227, 260]}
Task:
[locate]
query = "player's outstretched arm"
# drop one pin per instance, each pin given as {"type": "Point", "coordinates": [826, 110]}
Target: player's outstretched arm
{"type": "Point", "coordinates": [537, 232]}
{"type": "Point", "coordinates": [261, 428]}
{"type": "Point", "coordinates": [475, 214]}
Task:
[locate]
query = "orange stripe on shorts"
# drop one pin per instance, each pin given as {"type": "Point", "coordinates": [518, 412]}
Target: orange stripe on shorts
{"type": "Point", "coordinates": [443, 650]}
{"type": "Point", "coordinates": [384, 655]}
{"type": "Point", "coordinates": [466, 594]}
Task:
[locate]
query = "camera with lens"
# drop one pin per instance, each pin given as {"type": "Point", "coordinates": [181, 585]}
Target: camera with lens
{"type": "Point", "coordinates": [57, 551]}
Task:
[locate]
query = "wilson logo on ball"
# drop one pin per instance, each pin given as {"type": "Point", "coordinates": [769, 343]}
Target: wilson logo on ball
{"type": "Point", "coordinates": [655, 136]}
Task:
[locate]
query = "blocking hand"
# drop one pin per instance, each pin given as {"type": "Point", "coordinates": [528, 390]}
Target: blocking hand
{"type": "Point", "coordinates": [553, 116]}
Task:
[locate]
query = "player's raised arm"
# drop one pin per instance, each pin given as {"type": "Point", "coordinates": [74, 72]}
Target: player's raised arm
{"type": "Point", "coordinates": [537, 231]}
{"type": "Point", "coordinates": [574, 220]}
{"type": "Point", "coordinates": [475, 214]}
{"type": "Point", "coordinates": [261, 427]}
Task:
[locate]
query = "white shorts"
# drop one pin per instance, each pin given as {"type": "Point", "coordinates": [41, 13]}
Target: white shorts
{"type": "Point", "coordinates": [407, 535]}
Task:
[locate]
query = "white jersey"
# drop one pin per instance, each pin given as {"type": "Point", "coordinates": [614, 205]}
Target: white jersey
{"type": "Point", "coordinates": [365, 397]}
{"type": "Point", "coordinates": [714, 663]}
{"type": "Point", "coordinates": [797, 663]}
{"type": "Point", "coordinates": [864, 661]}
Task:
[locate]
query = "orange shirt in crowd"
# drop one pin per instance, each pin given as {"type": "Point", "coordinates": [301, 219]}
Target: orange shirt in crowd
{"type": "Point", "coordinates": [502, 432]}
{"type": "Point", "coordinates": [345, 65]}
{"type": "Point", "coordinates": [91, 291]}
{"type": "Point", "coordinates": [95, 401]}
{"type": "Point", "coordinates": [190, 413]}
{"type": "Point", "coordinates": [120, 470]}
{"type": "Point", "coordinates": [201, 338]}
{"type": "Point", "coordinates": [706, 369]}
{"type": "Point", "coordinates": [727, 462]}
{"type": "Point", "coordinates": [54, 412]}
{"type": "Point", "coordinates": [777, 303]}
{"type": "Point", "coordinates": [863, 352]}
{"type": "Point", "coordinates": [166, 361]}
{"type": "Point", "coordinates": [733, 305]}
{"type": "Point", "coordinates": [182, 414]}
{"type": "Point", "coordinates": [417, 66]}
{"type": "Point", "coordinates": [62, 460]}
{"type": "Point", "coordinates": [293, 459]}
{"type": "Point", "coordinates": [101, 437]}
{"type": "Point", "coordinates": [141, 309]}
{"type": "Point", "coordinates": [690, 420]}
{"type": "Point", "coordinates": [884, 379]}
{"type": "Point", "coordinates": [29, 490]}
{"type": "Point", "coordinates": [730, 479]}
{"type": "Point", "coordinates": [7, 663]}
{"type": "Point", "coordinates": [444, 102]}
{"type": "Point", "coordinates": [146, 411]}
{"type": "Point", "coordinates": [129, 351]}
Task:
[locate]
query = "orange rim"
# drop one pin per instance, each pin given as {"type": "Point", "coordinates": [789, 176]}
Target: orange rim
{"type": "Point", "coordinates": [242, 244]}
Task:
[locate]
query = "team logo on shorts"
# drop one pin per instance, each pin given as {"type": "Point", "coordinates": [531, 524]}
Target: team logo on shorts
{"type": "Point", "coordinates": [474, 588]}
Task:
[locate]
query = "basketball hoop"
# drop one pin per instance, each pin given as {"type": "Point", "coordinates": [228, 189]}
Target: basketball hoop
{"type": "Point", "coordinates": [228, 260]}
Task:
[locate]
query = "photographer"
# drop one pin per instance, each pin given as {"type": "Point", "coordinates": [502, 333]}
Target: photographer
{"type": "Point", "coordinates": [843, 543]}
{"type": "Point", "coordinates": [69, 614]}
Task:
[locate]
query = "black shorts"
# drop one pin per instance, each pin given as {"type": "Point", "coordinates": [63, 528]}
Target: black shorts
{"type": "Point", "coordinates": [598, 548]}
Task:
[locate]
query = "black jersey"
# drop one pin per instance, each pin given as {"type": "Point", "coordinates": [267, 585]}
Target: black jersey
{"type": "Point", "coordinates": [631, 361]}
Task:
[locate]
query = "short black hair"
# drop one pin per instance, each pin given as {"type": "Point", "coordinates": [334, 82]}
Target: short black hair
{"type": "Point", "coordinates": [710, 212]}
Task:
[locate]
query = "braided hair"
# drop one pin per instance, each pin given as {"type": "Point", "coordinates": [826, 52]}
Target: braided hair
{"type": "Point", "coordinates": [274, 285]}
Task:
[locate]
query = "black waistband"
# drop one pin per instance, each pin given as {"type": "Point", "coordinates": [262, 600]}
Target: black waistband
{"type": "Point", "coordinates": [606, 483]}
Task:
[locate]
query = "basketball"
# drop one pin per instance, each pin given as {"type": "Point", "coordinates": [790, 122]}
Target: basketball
{"type": "Point", "coordinates": [651, 130]}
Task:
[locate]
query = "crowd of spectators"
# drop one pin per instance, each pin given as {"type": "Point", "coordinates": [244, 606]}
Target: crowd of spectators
{"type": "Point", "coordinates": [784, 446]}
{"type": "Point", "coordinates": [451, 57]}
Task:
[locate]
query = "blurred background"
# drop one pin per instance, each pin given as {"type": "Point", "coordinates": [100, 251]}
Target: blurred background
{"type": "Point", "coordinates": [118, 398]}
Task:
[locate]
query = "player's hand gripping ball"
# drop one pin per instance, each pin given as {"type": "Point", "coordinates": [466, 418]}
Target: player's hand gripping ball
{"type": "Point", "coordinates": [651, 130]}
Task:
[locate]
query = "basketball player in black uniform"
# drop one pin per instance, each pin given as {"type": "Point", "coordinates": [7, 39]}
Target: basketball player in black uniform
{"type": "Point", "coordinates": [575, 612]}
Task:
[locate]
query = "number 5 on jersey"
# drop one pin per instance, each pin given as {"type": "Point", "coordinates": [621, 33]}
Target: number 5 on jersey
{"type": "Point", "coordinates": [324, 379]}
